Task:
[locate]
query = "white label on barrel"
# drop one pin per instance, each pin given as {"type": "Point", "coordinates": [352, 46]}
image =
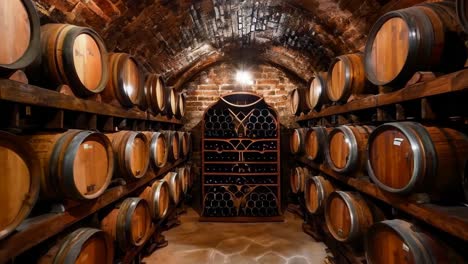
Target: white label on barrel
{"type": "Point", "coordinates": [397, 141]}
{"type": "Point", "coordinates": [87, 146]}
{"type": "Point", "coordinates": [405, 247]}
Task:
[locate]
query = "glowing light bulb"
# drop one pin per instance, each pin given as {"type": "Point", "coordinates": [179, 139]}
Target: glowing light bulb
{"type": "Point", "coordinates": [244, 77]}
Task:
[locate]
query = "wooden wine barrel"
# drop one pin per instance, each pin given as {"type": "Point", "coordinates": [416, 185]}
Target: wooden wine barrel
{"type": "Point", "coordinates": [298, 101]}
{"type": "Point", "coordinates": [83, 246]}
{"type": "Point", "coordinates": [419, 38]}
{"type": "Point", "coordinates": [346, 150]}
{"type": "Point", "coordinates": [347, 215]}
{"type": "Point", "coordinates": [157, 197]}
{"type": "Point", "coordinates": [175, 186]}
{"type": "Point", "coordinates": [20, 28]}
{"type": "Point", "coordinates": [191, 172]}
{"type": "Point", "coordinates": [177, 104]}
{"type": "Point", "coordinates": [132, 153]}
{"type": "Point", "coordinates": [316, 143]}
{"type": "Point", "coordinates": [172, 137]}
{"type": "Point", "coordinates": [297, 141]}
{"type": "Point", "coordinates": [462, 14]}
{"type": "Point", "coordinates": [76, 164]}
{"type": "Point", "coordinates": [126, 82]}
{"type": "Point", "coordinates": [184, 141]}
{"type": "Point", "coordinates": [19, 183]}
{"type": "Point", "coordinates": [318, 91]}
{"type": "Point", "coordinates": [157, 149]}
{"type": "Point", "coordinates": [181, 105]}
{"type": "Point", "coordinates": [184, 175]}
{"type": "Point", "coordinates": [155, 94]}
{"type": "Point", "coordinates": [398, 241]}
{"type": "Point", "coordinates": [129, 224]}
{"type": "Point", "coordinates": [189, 143]}
{"type": "Point", "coordinates": [297, 179]}
{"type": "Point", "coordinates": [407, 157]}
{"type": "Point", "coordinates": [316, 192]}
{"type": "Point", "coordinates": [346, 76]}
{"type": "Point", "coordinates": [173, 103]}
{"type": "Point", "coordinates": [75, 56]}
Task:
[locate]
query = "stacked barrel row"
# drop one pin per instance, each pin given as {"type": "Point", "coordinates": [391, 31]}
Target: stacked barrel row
{"type": "Point", "coordinates": [402, 158]}
{"type": "Point", "coordinates": [78, 165]}
{"type": "Point", "coordinates": [61, 54]}
{"type": "Point", "coordinates": [424, 37]}
{"type": "Point", "coordinates": [399, 157]}
{"type": "Point", "coordinates": [128, 225]}
{"type": "Point", "coordinates": [356, 220]}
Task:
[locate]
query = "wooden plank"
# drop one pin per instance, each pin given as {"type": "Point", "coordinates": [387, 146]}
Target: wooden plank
{"type": "Point", "coordinates": [160, 118]}
{"type": "Point", "coordinates": [457, 81]}
{"type": "Point", "coordinates": [35, 230]}
{"type": "Point", "coordinates": [33, 95]}
{"type": "Point", "coordinates": [451, 219]}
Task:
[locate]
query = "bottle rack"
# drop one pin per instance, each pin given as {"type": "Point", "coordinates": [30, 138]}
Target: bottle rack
{"type": "Point", "coordinates": [240, 160]}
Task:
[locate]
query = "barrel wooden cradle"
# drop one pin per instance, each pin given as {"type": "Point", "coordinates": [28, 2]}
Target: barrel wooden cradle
{"type": "Point", "coordinates": [155, 94]}
{"type": "Point", "coordinates": [316, 192]}
{"type": "Point", "coordinates": [419, 38]}
{"type": "Point", "coordinates": [75, 56]}
{"type": "Point", "coordinates": [346, 76]}
{"type": "Point", "coordinates": [175, 186]}
{"type": "Point", "coordinates": [83, 246]}
{"type": "Point", "coordinates": [346, 150]}
{"type": "Point", "coordinates": [129, 224]}
{"type": "Point", "coordinates": [157, 149]}
{"type": "Point", "coordinates": [298, 178]}
{"type": "Point", "coordinates": [398, 241]}
{"type": "Point", "coordinates": [157, 197]}
{"type": "Point", "coordinates": [347, 215]}
{"type": "Point", "coordinates": [19, 183]}
{"type": "Point", "coordinates": [126, 82]}
{"type": "Point", "coordinates": [298, 102]}
{"type": "Point", "coordinates": [132, 153]}
{"type": "Point", "coordinates": [297, 141]}
{"type": "Point", "coordinates": [76, 164]}
{"type": "Point", "coordinates": [172, 138]}
{"type": "Point", "coordinates": [316, 143]}
{"type": "Point", "coordinates": [407, 157]}
{"type": "Point", "coordinates": [20, 23]}
{"type": "Point", "coordinates": [317, 96]}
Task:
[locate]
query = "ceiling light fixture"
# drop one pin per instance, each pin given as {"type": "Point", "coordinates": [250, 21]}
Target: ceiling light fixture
{"type": "Point", "coordinates": [244, 77]}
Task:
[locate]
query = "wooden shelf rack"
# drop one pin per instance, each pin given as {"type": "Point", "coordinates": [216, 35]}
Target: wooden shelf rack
{"type": "Point", "coordinates": [453, 82]}
{"type": "Point", "coordinates": [451, 219]}
{"type": "Point", "coordinates": [30, 95]}
{"type": "Point", "coordinates": [37, 229]}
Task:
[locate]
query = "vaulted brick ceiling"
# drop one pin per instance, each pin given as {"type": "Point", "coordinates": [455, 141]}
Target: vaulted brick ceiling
{"type": "Point", "coordinates": [178, 38]}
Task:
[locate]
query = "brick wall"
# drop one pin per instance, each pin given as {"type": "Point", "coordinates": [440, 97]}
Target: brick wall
{"type": "Point", "coordinates": [270, 82]}
{"type": "Point", "coordinates": [205, 89]}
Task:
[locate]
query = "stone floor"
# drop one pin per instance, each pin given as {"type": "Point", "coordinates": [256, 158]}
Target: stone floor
{"type": "Point", "coordinates": [194, 242]}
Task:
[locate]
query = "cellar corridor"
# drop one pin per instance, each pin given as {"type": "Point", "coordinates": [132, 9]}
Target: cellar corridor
{"type": "Point", "coordinates": [195, 242]}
